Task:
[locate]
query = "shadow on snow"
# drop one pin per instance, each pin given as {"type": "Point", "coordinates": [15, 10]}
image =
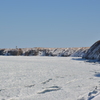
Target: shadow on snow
{"type": "Point", "coordinates": [87, 60]}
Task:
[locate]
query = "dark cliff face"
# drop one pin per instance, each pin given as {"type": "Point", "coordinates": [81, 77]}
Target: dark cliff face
{"type": "Point", "coordinates": [93, 52]}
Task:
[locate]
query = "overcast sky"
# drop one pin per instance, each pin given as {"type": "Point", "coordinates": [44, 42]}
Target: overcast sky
{"type": "Point", "coordinates": [49, 23]}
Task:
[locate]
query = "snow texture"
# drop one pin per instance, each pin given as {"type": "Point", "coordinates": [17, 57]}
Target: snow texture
{"type": "Point", "coordinates": [48, 78]}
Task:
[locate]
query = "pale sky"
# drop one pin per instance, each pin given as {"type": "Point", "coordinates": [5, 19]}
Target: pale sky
{"type": "Point", "coordinates": [49, 23]}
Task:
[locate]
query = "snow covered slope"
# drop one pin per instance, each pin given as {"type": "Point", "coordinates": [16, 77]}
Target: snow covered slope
{"type": "Point", "coordinates": [93, 52]}
{"type": "Point", "coordinates": [80, 52]}
{"type": "Point", "coordinates": [65, 52]}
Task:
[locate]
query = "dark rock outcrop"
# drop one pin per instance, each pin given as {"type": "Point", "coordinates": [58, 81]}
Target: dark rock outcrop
{"type": "Point", "coordinates": [1, 51]}
{"type": "Point", "coordinates": [13, 52]}
{"type": "Point", "coordinates": [93, 52]}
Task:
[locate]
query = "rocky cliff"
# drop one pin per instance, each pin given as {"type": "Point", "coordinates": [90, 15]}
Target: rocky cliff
{"type": "Point", "coordinates": [93, 52]}
{"type": "Point", "coordinates": [80, 52]}
{"type": "Point", "coordinates": [65, 52]}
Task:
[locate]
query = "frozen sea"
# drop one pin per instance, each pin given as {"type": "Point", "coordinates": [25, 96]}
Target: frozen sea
{"type": "Point", "coordinates": [48, 78]}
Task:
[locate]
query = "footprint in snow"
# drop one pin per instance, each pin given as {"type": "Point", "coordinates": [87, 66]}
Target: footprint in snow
{"type": "Point", "coordinates": [47, 81]}
{"type": "Point", "coordinates": [29, 86]}
{"type": "Point", "coordinates": [92, 94]}
{"type": "Point", "coordinates": [50, 89]}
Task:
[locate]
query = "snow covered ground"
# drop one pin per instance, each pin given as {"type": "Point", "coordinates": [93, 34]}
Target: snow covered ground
{"type": "Point", "coordinates": [48, 78]}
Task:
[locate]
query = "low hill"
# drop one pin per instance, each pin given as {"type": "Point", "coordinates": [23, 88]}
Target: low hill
{"type": "Point", "coordinates": [38, 51]}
